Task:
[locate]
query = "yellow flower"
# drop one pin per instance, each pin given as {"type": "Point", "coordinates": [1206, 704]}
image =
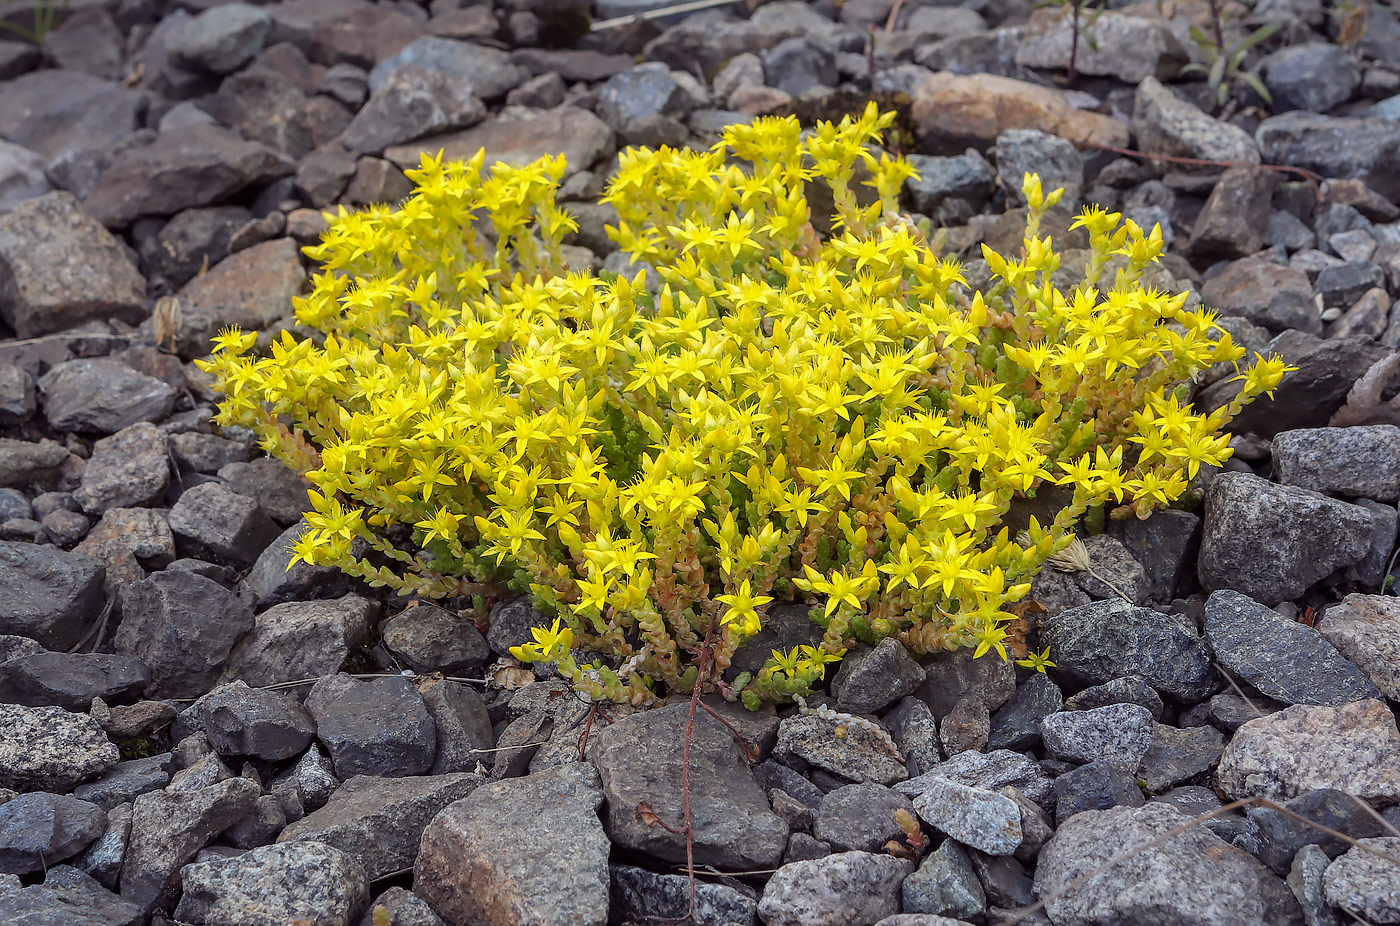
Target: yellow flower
{"type": "Point", "coordinates": [742, 608]}
{"type": "Point", "coordinates": [550, 645]}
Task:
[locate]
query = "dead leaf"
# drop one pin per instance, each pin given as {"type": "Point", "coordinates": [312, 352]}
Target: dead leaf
{"type": "Point", "coordinates": [166, 320]}
{"type": "Point", "coordinates": [509, 675]}
{"type": "Point", "coordinates": [1364, 404]}
{"type": "Point", "coordinates": [647, 815]}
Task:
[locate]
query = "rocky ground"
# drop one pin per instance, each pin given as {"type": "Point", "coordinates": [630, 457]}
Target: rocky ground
{"type": "Point", "coordinates": [189, 733]}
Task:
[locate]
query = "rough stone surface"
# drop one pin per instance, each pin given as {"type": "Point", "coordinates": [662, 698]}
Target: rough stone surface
{"type": "Point", "coordinates": [300, 639]}
{"type": "Point", "coordinates": [1180, 754]}
{"type": "Point", "coordinates": [1366, 630]}
{"type": "Point", "coordinates": [1353, 747]}
{"type": "Point", "coordinates": [1191, 879]}
{"type": "Point", "coordinates": [130, 469]}
{"type": "Point", "coordinates": [379, 821]}
{"type": "Point", "coordinates": [1275, 838]}
{"type": "Point", "coordinates": [39, 829]}
{"type": "Point", "coordinates": [952, 112]}
{"type": "Point", "coordinates": [431, 639]}
{"type": "Point", "coordinates": [1166, 124]}
{"type": "Point", "coordinates": [375, 726]}
{"type": "Point", "coordinates": [878, 679]}
{"type": "Point", "coordinates": [1104, 640]}
{"type": "Point", "coordinates": [1273, 542]}
{"type": "Point", "coordinates": [639, 893]}
{"type": "Point", "coordinates": [412, 102]}
{"type": "Point", "coordinates": [50, 749]}
{"type": "Point", "coordinates": [860, 756]}
{"type": "Point", "coordinates": [945, 885]}
{"type": "Point", "coordinates": [990, 771]}
{"type": "Point", "coordinates": [519, 137]}
{"type": "Point", "coordinates": [845, 887]}
{"type": "Point", "coordinates": [1364, 884]}
{"type": "Point", "coordinates": [301, 882]}
{"type": "Point", "coordinates": [1359, 461]}
{"type": "Point", "coordinates": [639, 759]}
{"type": "Point", "coordinates": [982, 820]}
{"type": "Point", "coordinates": [1129, 48]}
{"type": "Point", "coordinates": [47, 595]}
{"type": "Point", "coordinates": [480, 857]}
{"type": "Point", "coordinates": [70, 680]}
{"type": "Point", "coordinates": [1284, 659]}
{"type": "Point", "coordinates": [1118, 734]}
{"type": "Point", "coordinates": [860, 816]}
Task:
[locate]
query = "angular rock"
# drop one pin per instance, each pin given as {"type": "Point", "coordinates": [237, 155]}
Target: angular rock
{"type": "Point", "coordinates": [50, 749]}
{"type": "Point", "coordinates": [1265, 293]}
{"type": "Point", "coordinates": [1273, 542]}
{"type": "Point", "coordinates": [952, 112]}
{"type": "Point", "coordinates": [63, 112]}
{"type": "Point", "coordinates": [1236, 214]}
{"type": "Point", "coordinates": [1313, 76]}
{"type": "Point", "coordinates": [914, 728]}
{"type": "Point", "coordinates": [431, 639]}
{"type": "Point", "coordinates": [59, 268]}
{"type": "Point", "coordinates": [306, 882]}
{"type": "Point", "coordinates": [1353, 747]}
{"type": "Point", "coordinates": [965, 177]}
{"type": "Point", "coordinates": [1344, 148]}
{"type": "Point", "coordinates": [846, 887]}
{"type": "Point", "coordinates": [1105, 640]}
{"type": "Point", "coordinates": [1128, 48]}
{"type": "Point", "coordinates": [487, 72]}
{"type": "Point", "coordinates": [1095, 786]}
{"type": "Point", "coordinates": [220, 525]}
{"type": "Point", "coordinates": [169, 827]}
{"type": "Point", "coordinates": [251, 289]}
{"type": "Point", "coordinates": [876, 680]}
{"type": "Point", "coordinates": [1275, 838]}
{"type": "Point", "coordinates": [103, 859]}
{"type": "Point", "coordinates": [67, 897]}
{"type": "Point", "coordinates": [1017, 725]}
{"type": "Point", "coordinates": [47, 595]}
{"type": "Point", "coordinates": [990, 772]}
{"type": "Point", "coordinates": [70, 680]}
{"type": "Point", "coordinates": [479, 860]}
{"type": "Point", "coordinates": [641, 894]}
{"type": "Point", "coordinates": [1166, 124]}
{"type": "Point", "coordinates": [982, 820]}
{"type": "Point", "coordinates": [639, 761]}
{"type": "Point", "coordinates": [380, 821]}
{"type": "Point", "coordinates": [301, 639]}
{"type": "Point", "coordinates": [242, 721]}
{"type": "Point", "coordinates": [519, 137]}
{"type": "Point", "coordinates": [1366, 630]}
{"type": "Point", "coordinates": [1118, 734]}
{"type": "Point", "coordinates": [126, 781]}
{"type": "Point", "coordinates": [1365, 884]}
{"type": "Point", "coordinates": [412, 102]}
{"type": "Point", "coordinates": [183, 626]}
{"type": "Point", "coordinates": [39, 829]}
{"type": "Point", "coordinates": [860, 816]}
{"type": "Point", "coordinates": [197, 165]}
{"type": "Point", "coordinates": [22, 461]}
{"type": "Point", "coordinates": [945, 885]}
{"type": "Point", "coordinates": [1191, 879]}
{"type": "Point", "coordinates": [376, 726]}
{"type": "Point", "coordinates": [1178, 755]}
{"type": "Point", "coordinates": [222, 39]}
{"type": "Point", "coordinates": [957, 676]}
{"type": "Point", "coordinates": [191, 241]}
{"type": "Point", "coordinates": [130, 469]}
{"type": "Point", "coordinates": [1358, 461]}
{"type": "Point", "coordinates": [862, 755]}
{"type": "Point", "coordinates": [403, 908]}
{"type": "Point", "coordinates": [130, 541]}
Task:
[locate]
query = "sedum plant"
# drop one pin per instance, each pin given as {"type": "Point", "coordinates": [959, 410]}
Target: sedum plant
{"type": "Point", "coordinates": [839, 418]}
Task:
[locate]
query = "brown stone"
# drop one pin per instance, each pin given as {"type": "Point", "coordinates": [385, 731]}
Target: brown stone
{"type": "Point", "coordinates": [1234, 218]}
{"type": "Point", "coordinates": [251, 289]}
{"type": "Point", "coordinates": [952, 112]}
{"type": "Point", "coordinates": [519, 137]}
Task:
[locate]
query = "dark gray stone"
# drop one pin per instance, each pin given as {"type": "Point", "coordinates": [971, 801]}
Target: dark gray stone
{"type": "Point", "coordinates": [1341, 285]}
{"type": "Point", "coordinates": [989, 771]}
{"type": "Point", "coordinates": [70, 680]}
{"type": "Point", "coordinates": [1314, 76]}
{"type": "Point", "coordinates": [376, 726]}
{"type": "Point", "coordinates": [489, 72]}
{"type": "Point", "coordinates": [48, 595]}
{"type": "Point", "coordinates": [869, 683]}
{"type": "Point", "coordinates": [1264, 292]}
{"type": "Point", "coordinates": [983, 820]}
{"type": "Point", "coordinates": [639, 759]}
{"type": "Point", "coordinates": [1273, 542]}
{"type": "Point", "coordinates": [222, 39]}
{"type": "Point", "coordinates": [296, 881]}
{"type": "Point", "coordinates": [50, 749]}
{"type": "Point", "coordinates": [1131, 689]}
{"type": "Point", "coordinates": [66, 898]}
{"type": "Point", "coordinates": [215, 523]}
{"type": "Point", "coordinates": [953, 676]}
{"type": "Point", "coordinates": [846, 887]}
{"type": "Point", "coordinates": [39, 829]}
{"type": "Point", "coordinates": [1364, 149]}
{"type": "Point", "coordinates": [1275, 838]}
{"type": "Point", "coordinates": [410, 103]}
{"type": "Point", "coordinates": [861, 755]}
{"type": "Point", "coordinates": [126, 781]}
{"type": "Point", "coordinates": [945, 885]}
{"type": "Point", "coordinates": [1305, 879]}
{"type": "Point", "coordinates": [1164, 123]}
{"type": "Point", "coordinates": [914, 728]}
{"type": "Point", "coordinates": [1178, 755]}
{"type": "Point", "coordinates": [242, 721]}
{"type": "Point", "coordinates": [1118, 734]}
{"type": "Point", "coordinates": [1022, 151]}
{"type": "Point", "coordinates": [430, 639]}
{"type": "Point", "coordinates": [645, 895]}
{"type": "Point", "coordinates": [464, 733]}
{"type": "Point", "coordinates": [103, 859]}
{"type": "Point", "coordinates": [183, 627]}
{"type": "Point", "coordinates": [643, 92]}
{"type": "Point", "coordinates": [130, 469]}
{"type": "Point", "coordinates": [965, 177]}
{"type": "Point", "coordinates": [861, 816]}
{"type": "Point", "coordinates": [380, 821]}
{"type": "Point", "coordinates": [62, 112]}
{"type": "Point", "coordinates": [1284, 659]}
{"type": "Point", "coordinates": [1095, 786]}
{"type": "Point", "coordinates": [1017, 725]}
{"type": "Point", "coordinates": [275, 580]}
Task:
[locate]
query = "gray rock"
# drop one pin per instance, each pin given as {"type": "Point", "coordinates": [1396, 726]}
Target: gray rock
{"type": "Point", "coordinates": [430, 639]}
{"type": "Point", "coordinates": [641, 895]}
{"type": "Point", "coordinates": [205, 453]}
{"type": "Point", "coordinates": [1178, 755]}
{"type": "Point", "coordinates": [798, 64]}
{"type": "Point", "coordinates": [307, 880]}
{"type": "Point", "coordinates": [183, 626]}
{"type": "Point", "coordinates": [1364, 149]}
{"type": "Point", "coordinates": [1305, 879]}
{"type": "Point", "coordinates": [67, 897]}
{"type": "Point", "coordinates": [1284, 659]}
{"type": "Point", "coordinates": [1191, 879]}
{"type": "Point", "coordinates": [22, 462]}
{"type": "Point", "coordinates": [1235, 215]}
{"type": "Point", "coordinates": [479, 860]}
{"type": "Point", "coordinates": [410, 103]}
{"type": "Point", "coordinates": [126, 781]}
{"type": "Point", "coordinates": [643, 92]}
{"type": "Point", "coordinates": [376, 726]}
{"type": "Point", "coordinates": [169, 827]}
{"type": "Point", "coordinates": [1340, 285]}
{"type": "Point", "coordinates": [190, 241]}
{"type": "Point", "coordinates": [1366, 630]}
{"type": "Point", "coordinates": [464, 733]}
{"type": "Point", "coordinates": [1017, 725]}
{"type": "Point", "coordinates": [1313, 76]}
{"type": "Point", "coordinates": [196, 165]}
{"type": "Point", "coordinates": [50, 749]}
{"type": "Point", "coordinates": [1095, 786]}
{"type": "Point", "coordinates": [1275, 838]}
{"type": "Point", "coordinates": [639, 760]}
{"type": "Point", "coordinates": [1286, 229]}
{"type": "Point", "coordinates": [1022, 151]}
{"type": "Point", "coordinates": [860, 816]}
{"type": "Point", "coordinates": [279, 490]}
{"type": "Point", "coordinates": [1129, 48]}
{"type": "Point", "coordinates": [1105, 640]}
{"type": "Point", "coordinates": [846, 887]}
{"type": "Point", "coordinates": [520, 137]}
{"type": "Point", "coordinates": [1358, 461]}
{"type": "Point", "coordinates": [1118, 734]}
{"type": "Point", "coordinates": [22, 176]}
{"type": "Point", "coordinates": [215, 523]}
{"type": "Point", "coordinates": [39, 829]}
{"type": "Point", "coordinates": [62, 112]}
{"type": "Point", "coordinates": [952, 677]}
{"type": "Point", "coordinates": [70, 680]}
{"type": "Point", "coordinates": [242, 721]}
{"type": "Point", "coordinates": [708, 45]}
{"type": "Point", "coordinates": [860, 756]}
{"type": "Point", "coordinates": [786, 626]}
{"type": "Point", "coordinates": [301, 639]}
{"type": "Point", "coordinates": [982, 820]}
{"type": "Point", "coordinates": [869, 683]}
{"type": "Point", "coordinates": [990, 771]}
{"type": "Point", "coordinates": [380, 821]}
{"type": "Point", "coordinates": [275, 580]}
{"type": "Point", "coordinates": [404, 909]}
{"type": "Point", "coordinates": [1365, 884]}
{"type": "Point", "coordinates": [1130, 689]}
{"type": "Point", "coordinates": [129, 469]}
{"type": "Point", "coordinates": [1273, 542]}
{"type": "Point", "coordinates": [18, 398]}
{"type": "Point", "coordinates": [307, 785]}
{"type": "Point", "coordinates": [962, 177]}
{"type": "Point", "coordinates": [1352, 747]}
{"type": "Point", "coordinates": [945, 885]}
{"type": "Point", "coordinates": [48, 595]}
{"type": "Point", "coordinates": [1166, 124]}
{"type": "Point", "coordinates": [129, 541]}
{"type": "Point", "coordinates": [967, 726]}
{"type": "Point", "coordinates": [264, 107]}
{"type": "Point", "coordinates": [252, 288]}
{"type": "Point", "coordinates": [222, 39]}
{"type": "Point", "coordinates": [62, 268]}
{"type": "Point", "coordinates": [1264, 292]}
{"type": "Point", "coordinates": [103, 859]}
{"type": "Point", "coordinates": [914, 729]}
{"type": "Point", "coordinates": [487, 72]}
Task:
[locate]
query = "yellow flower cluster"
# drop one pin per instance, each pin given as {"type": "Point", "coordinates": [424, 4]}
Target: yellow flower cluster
{"type": "Point", "coordinates": [839, 416]}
